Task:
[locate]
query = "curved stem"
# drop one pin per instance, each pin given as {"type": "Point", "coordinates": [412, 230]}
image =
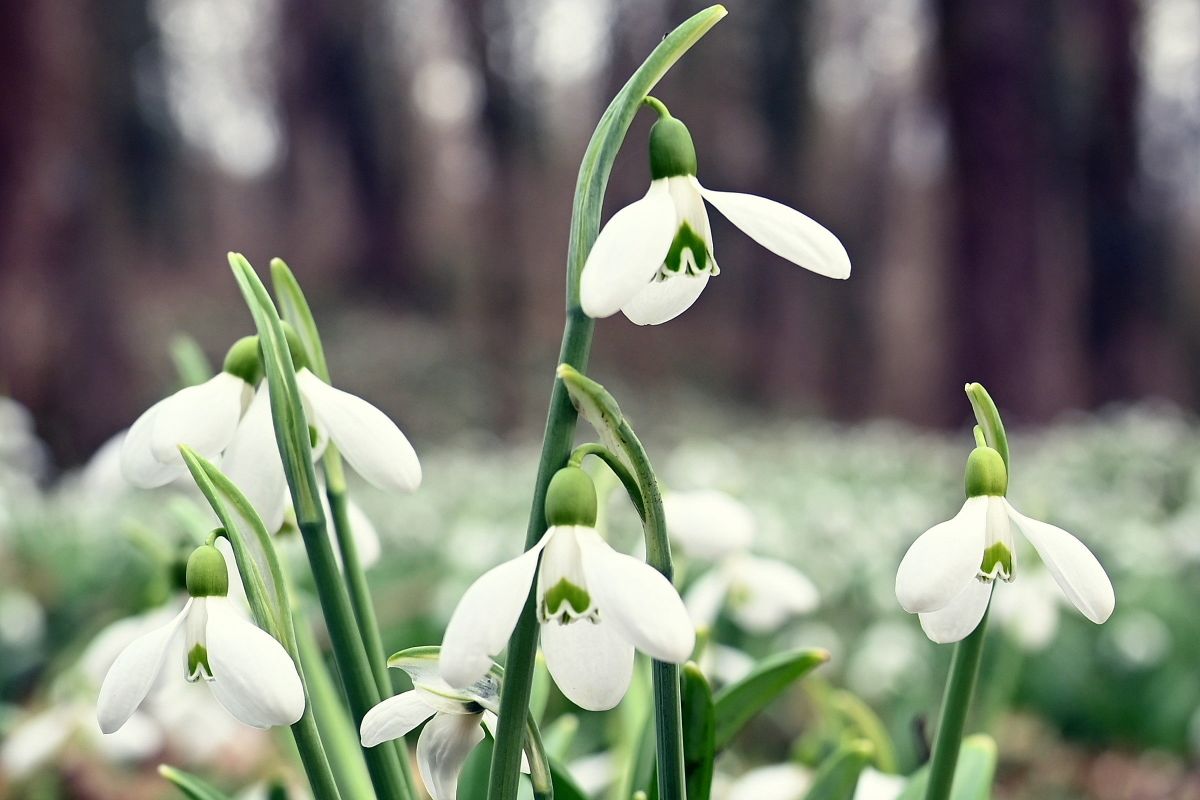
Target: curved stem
{"type": "Point", "coordinates": [594, 171]}
{"type": "Point", "coordinates": [618, 468]}
{"type": "Point", "coordinates": [964, 668]}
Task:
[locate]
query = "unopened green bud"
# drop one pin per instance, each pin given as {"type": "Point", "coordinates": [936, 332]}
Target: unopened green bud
{"type": "Point", "coordinates": [986, 474]}
{"type": "Point", "coordinates": [243, 360]}
{"type": "Point", "coordinates": [207, 575]}
{"type": "Point", "coordinates": [671, 150]}
{"type": "Point", "coordinates": [571, 498]}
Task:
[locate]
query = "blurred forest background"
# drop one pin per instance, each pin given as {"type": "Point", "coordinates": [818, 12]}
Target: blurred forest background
{"type": "Point", "coordinates": [1017, 182]}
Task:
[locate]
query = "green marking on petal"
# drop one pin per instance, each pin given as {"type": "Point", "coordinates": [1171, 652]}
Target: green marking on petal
{"type": "Point", "coordinates": [997, 562]}
{"type": "Point", "coordinates": [566, 592]}
{"type": "Point", "coordinates": [677, 261]}
{"type": "Point", "coordinates": [198, 666]}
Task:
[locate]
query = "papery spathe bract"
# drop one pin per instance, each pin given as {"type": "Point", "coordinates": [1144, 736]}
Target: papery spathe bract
{"type": "Point", "coordinates": [654, 257]}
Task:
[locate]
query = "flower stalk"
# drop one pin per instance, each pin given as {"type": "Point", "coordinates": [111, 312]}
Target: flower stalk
{"type": "Point", "coordinates": [964, 666]}
{"type": "Point", "coordinates": [576, 346]}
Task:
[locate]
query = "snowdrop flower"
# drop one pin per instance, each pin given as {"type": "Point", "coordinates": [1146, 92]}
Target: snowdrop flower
{"type": "Point", "coordinates": [456, 719]}
{"type": "Point", "coordinates": [761, 593]}
{"type": "Point", "coordinates": [205, 417]}
{"type": "Point", "coordinates": [654, 257]}
{"type": "Point", "coordinates": [778, 782]}
{"type": "Point", "coordinates": [247, 670]}
{"type": "Point", "coordinates": [595, 606]}
{"type": "Point", "coordinates": [947, 575]}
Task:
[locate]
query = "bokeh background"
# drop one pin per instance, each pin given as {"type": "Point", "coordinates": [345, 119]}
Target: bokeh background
{"type": "Point", "coordinates": [1017, 184]}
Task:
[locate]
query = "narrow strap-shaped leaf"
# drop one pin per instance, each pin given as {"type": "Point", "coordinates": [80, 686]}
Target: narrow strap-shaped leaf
{"type": "Point", "coordinates": [738, 703]}
{"type": "Point", "coordinates": [295, 309]}
{"type": "Point", "coordinates": [699, 732]}
{"type": "Point", "coordinates": [868, 725]}
{"type": "Point", "coordinates": [837, 778]}
{"type": "Point", "coordinates": [973, 778]}
{"type": "Point", "coordinates": [565, 787]}
{"type": "Point", "coordinates": [192, 787]}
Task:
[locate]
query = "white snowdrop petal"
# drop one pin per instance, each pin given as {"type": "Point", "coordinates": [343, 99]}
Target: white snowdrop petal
{"type": "Point", "coordinates": [253, 463]}
{"type": "Point", "coordinates": [628, 252]}
{"type": "Point", "coordinates": [784, 231]}
{"type": "Point", "coordinates": [591, 662]}
{"type": "Point", "coordinates": [705, 597]}
{"type": "Point", "coordinates": [35, 741]}
{"type": "Point", "coordinates": [369, 440]}
{"type": "Point", "coordinates": [203, 416]}
{"type": "Point", "coordinates": [956, 620]}
{"type": "Point", "coordinates": [443, 749]}
{"type": "Point", "coordinates": [491, 723]}
{"type": "Point", "coordinates": [1072, 565]}
{"type": "Point", "coordinates": [637, 599]}
{"type": "Point", "coordinates": [135, 671]}
{"type": "Point", "coordinates": [138, 464]}
{"type": "Point", "coordinates": [393, 718]}
{"type": "Point", "coordinates": [253, 676]}
{"type": "Point", "coordinates": [778, 782]}
{"type": "Point", "coordinates": [942, 560]}
{"type": "Point", "coordinates": [767, 592]}
{"type": "Point", "coordinates": [708, 523]}
{"type": "Point", "coordinates": [876, 785]}
{"type": "Point", "coordinates": [485, 617]}
{"type": "Point", "coordinates": [662, 301]}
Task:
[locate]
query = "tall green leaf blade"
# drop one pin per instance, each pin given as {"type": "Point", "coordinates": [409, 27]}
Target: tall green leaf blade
{"type": "Point", "coordinates": [193, 787]}
{"type": "Point", "coordinates": [295, 309]}
{"type": "Point", "coordinates": [837, 778]}
{"type": "Point", "coordinates": [699, 732]}
{"type": "Point", "coordinates": [973, 777]}
{"type": "Point", "coordinates": [740, 702]}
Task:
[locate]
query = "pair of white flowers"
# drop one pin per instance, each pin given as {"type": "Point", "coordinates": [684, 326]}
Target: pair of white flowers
{"type": "Point", "coordinates": [948, 574]}
{"type": "Point", "coordinates": [654, 257]}
{"type": "Point", "coordinates": [227, 420]}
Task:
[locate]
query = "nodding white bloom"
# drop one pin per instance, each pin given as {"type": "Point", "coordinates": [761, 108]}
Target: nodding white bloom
{"type": "Point", "coordinates": [459, 717]}
{"type": "Point", "coordinates": [595, 606]}
{"type": "Point", "coordinates": [947, 575]}
{"type": "Point", "coordinates": [246, 669]}
{"type": "Point", "coordinates": [205, 417]}
{"type": "Point", "coordinates": [227, 419]}
{"type": "Point", "coordinates": [761, 594]}
{"type": "Point", "coordinates": [792, 782]}
{"type": "Point", "coordinates": [654, 257]}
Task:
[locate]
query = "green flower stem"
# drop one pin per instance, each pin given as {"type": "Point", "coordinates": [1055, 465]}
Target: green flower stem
{"type": "Point", "coordinates": [296, 309]}
{"type": "Point", "coordinates": [295, 448]}
{"type": "Point", "coordinates": [594, 171]}
{"type": "Point", "coordinates": [618, 468]}
{"type": "Point", "coordinates": [333, 723]}
{"type": "Point", "coordinates": [964, 668]}
{"type": "Point", "coordinates": [275, 616]}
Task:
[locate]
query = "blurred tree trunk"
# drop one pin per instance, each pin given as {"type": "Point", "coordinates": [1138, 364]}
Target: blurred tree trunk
{"type": "Point", "coordinates": [508, 130]}
{"type": "Point", "coordinates": [345, 107]}
{"type": "Point", "coordinates": [1011, 264]}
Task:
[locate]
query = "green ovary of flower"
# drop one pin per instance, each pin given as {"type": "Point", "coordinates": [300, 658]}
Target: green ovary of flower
{"type": "Point", "coordinates": [688, 254]}
{"type": "Point", "coordinates": [566, 592]}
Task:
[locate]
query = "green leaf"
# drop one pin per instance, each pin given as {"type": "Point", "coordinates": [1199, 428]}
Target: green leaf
{"type": "Point", "coordinates": [294, 308]}
{"type": "Point", "coordinates": [837, 778]}
{"type": "Point", "coordinates": [565, 787]}
{"type": "Point", "coordinates": [699, 732]}
{"type": "Point", "coordinates": [867, 724]}
{"type": "Point", "coordinates": [191, 365]}
{"type": "Point", "coordinates": [190, 785]}
{"type": "Point", "coordinates": [973, 776]}
{"type": "Point", "coordinates": [740, 702]}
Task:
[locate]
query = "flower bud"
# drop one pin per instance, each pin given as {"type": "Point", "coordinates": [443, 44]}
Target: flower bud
{"type": "Point", "coordinates": [243, 360]}
{"type": "Point", "coordinates": [207, 575]}
{"type": "Point", "coordinates": [986, 474]}
{"type": "Point", "coordinates": [571, 498]}
{"type": "Point", "coordinates": [671, 150]}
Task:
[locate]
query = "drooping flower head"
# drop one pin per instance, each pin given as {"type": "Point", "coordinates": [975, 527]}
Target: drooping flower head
{"type": "Point", "coordinates": [210, 640]}
{"type": "Point", "coordinates": [457, 719]}
{"type": "Point", "coordinates": [948, 574]}
{"type": "Point", "coordinates": [655, 256]}
{"type": "Point", "coordinates": [595, 606]}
